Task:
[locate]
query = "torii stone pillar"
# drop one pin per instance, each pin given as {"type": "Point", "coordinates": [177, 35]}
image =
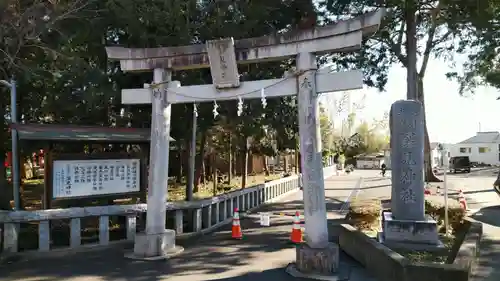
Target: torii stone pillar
{"type": "Point", "coordinates": [157, 242]}
{"type": "Point", "coordinates": [318, 256]}
{"type": "Point", "coordinates": [311, 156]}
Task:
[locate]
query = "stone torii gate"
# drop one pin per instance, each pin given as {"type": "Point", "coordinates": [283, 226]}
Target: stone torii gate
{"type": "Point", "coordinates": [222, 56]}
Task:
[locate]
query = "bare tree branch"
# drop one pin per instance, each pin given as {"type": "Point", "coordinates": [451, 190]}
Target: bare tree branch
{"type": "Point", "coordinates": [430, 39]}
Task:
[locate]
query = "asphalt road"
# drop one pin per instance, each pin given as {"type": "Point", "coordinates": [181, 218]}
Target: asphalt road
{"type": "Point", "coordinates": [477, 186]}
{"type": "Point", "coordinates": [484, 204]}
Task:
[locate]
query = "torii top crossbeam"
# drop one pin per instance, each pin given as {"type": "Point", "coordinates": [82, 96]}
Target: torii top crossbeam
{"type": "Point", "coordinates": [339, 37]}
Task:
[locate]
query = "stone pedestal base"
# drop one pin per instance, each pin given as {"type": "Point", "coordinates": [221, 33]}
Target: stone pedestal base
{"type": "Point", "coordinates": [155, 246]}
{"type": "Point", "coordinates": [414, 235]}
{"type": "Point", "coordinates": [320, 264]}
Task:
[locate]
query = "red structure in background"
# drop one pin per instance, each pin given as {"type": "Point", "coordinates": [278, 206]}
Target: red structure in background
{"type": "Point", "coordinates": [37, 158]}
{"type": "Point", "coordinates": [8, 160]}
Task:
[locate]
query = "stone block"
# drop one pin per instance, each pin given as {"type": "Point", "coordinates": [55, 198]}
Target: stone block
{"type": "Point", "coordinates": [318, 264]}
{"type": "Point", "coordinates": [320, 261]}
{"type": "Point", "coordinates": [155, 246]}
{"type": "Point", "coordinates": [425, 232]}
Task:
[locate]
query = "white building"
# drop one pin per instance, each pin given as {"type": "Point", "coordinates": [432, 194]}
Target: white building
{"type": "Point", "coordinates": [484, 147]}
{"type": "Point", "coordinates": [373, 161]}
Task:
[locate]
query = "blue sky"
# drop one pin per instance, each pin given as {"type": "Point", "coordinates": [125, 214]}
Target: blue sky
{"type": "Point", "coordinates": [450, 117]}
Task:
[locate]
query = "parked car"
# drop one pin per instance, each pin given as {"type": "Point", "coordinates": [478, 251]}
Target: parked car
{"type": "Point", "coordinates": [496, 184]}
{"type": "Point", "coordinates": [460, 164]}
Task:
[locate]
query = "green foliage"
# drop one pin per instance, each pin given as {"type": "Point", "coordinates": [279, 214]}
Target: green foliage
{"type": "Point", "coordinates": [372, 140]}
{"type": "Point", "coordinates": [326, 154]}
{"type": "Point", "coordinates": [480, 45]}
{"type": "Point", "coordinates": [434, 206]}
{"type": "Point", "coordinates": [444, 27]}
{"type": "Point", "coordinates": [326, 129]}
{"type": "Point", "coordinates": [367, 139]}
{"type": "Point", "coordinates": [341, 158]}
{"type": "Point", "coordinates": [364, 214]}
{"type": "Point", "coordinates": [55, 49]}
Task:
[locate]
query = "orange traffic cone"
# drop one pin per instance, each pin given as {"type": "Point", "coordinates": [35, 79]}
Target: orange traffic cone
{"type": "Point", "coordinates": [462, 201]}
{"type": "Point", "coordinates": [296, 236]}
{"type": "Point", "coordinates": [236, 229]}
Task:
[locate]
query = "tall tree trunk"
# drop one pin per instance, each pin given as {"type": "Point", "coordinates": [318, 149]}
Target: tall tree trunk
{"type": "Point", "coordinates": [415, 85]}
{"type": "Point", "coordinates": [411, 51]}
{"type": "Point", "coordinates": [200, 162]}
{"type": "Point", "coordinates": [235, 161]}
{"type": "Point", "coordinates": [285, 164]}
{"type": "Point", "coordinates": [214, 173]}
{"type": "Point", "coordinates": [203, 171]}
{"type": "Point", "coordinates": [180, 165]}
{"type": "Point", "coordinates": [266, 165]}
{"type": "Point", "coordinates": [297, 161]}
{"type": "Point", "coordinates": [429, 172]}
{"type": "Point", "coordinates": [244, 167]}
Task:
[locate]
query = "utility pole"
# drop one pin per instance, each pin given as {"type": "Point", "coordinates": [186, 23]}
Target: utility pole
{"type": "Point", "coordinates": [16, 183]}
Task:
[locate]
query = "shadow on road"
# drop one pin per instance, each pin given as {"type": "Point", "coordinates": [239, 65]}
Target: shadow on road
{"type": "Point", "coordinates": [489, 215]}
{"type": "Point", "coordinates": [214, 254]}
{"type": "Point", "coordinates": [488, 264]}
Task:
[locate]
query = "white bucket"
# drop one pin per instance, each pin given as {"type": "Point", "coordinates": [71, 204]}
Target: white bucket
{"type": "Point", "coordinates": [265, 219]}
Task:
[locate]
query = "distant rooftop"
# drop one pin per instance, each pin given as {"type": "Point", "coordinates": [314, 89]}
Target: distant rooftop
{"type": "Point", "coordinates": [483, 137]}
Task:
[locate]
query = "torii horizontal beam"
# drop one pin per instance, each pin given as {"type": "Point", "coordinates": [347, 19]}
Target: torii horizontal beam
{"type": "Point", "coordinates": [325, 82]}
{"type": "Point", "coordinates": [342, 36]}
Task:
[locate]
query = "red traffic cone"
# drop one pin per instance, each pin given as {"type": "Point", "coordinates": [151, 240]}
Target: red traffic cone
{"type": "Point", "coordinates": [236, 229]}
{"type": "Point", "coordinates": [296, 236]}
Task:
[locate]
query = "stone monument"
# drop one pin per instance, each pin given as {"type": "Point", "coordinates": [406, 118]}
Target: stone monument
{"type": "Point", "coordinates": [406, 225]}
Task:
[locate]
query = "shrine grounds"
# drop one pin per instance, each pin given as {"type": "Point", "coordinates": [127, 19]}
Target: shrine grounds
{"type": "Point", "coordinates": [264, 252]}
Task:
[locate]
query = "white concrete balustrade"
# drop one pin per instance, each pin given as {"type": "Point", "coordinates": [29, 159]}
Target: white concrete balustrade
{"type": "Point", "coordinates": [207, 215]}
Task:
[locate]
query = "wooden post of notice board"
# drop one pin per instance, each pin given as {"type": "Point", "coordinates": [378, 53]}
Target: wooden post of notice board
{"type": "Point", "coordinates": [47, 179]}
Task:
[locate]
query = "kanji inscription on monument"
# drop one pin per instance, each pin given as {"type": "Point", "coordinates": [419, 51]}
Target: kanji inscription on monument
{"type": "Point", "coordinates": [223, 66]}
{"type": "Point", "coordinates": [407, 156]}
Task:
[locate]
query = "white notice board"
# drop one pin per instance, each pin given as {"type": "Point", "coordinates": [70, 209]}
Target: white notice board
{"type": "Point", "coordinates": [82, 178]}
